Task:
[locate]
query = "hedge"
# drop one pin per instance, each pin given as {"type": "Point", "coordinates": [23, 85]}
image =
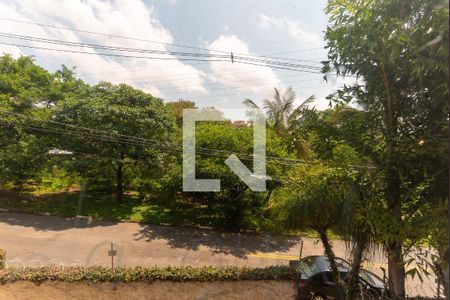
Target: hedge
{"type": "Point", "coordinates": [2, 258]}
{"type": "Point", "coordinates": [141, 274]}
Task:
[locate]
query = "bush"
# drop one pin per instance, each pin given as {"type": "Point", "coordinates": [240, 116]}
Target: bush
{"type": "Point", "coordinates": [2, 258]}
{"type": "Point", "coordinates": [140, 274]}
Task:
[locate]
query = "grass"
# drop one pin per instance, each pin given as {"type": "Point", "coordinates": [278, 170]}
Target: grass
{"type": "Point", "coordinates": [101, 205]}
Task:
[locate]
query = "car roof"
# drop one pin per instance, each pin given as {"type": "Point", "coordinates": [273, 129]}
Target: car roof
{"type": "Point", "coordinates": [323, 263]}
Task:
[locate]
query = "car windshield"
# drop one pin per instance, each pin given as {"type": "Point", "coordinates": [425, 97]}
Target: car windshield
{"type": "Point", "coordinates": [315, 264]}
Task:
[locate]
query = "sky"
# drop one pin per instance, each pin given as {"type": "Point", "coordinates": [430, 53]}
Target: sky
{"type": "Point", "coordinates": [284, 28]}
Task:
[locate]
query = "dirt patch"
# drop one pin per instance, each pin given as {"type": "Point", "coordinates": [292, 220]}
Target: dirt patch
{"type": "Point", "coordinates": [157, 290]}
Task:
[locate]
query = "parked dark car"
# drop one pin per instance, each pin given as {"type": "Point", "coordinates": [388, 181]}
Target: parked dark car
{"type": "Point", "coordinates": [315, 280]}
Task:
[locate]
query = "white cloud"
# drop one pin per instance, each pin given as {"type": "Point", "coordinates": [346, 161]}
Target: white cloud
{"type": "Point", "coordinates": [294, 28]}
{"type": "Point", "coordinates": [11, 50]}
{"type": "Point", "coordinates": [125, 18]}
{"type": "Point", "coordinates": [244, 77]}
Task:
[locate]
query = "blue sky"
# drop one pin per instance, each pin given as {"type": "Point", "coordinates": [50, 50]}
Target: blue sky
{"type": "Point", "coordinates": [290, 29]}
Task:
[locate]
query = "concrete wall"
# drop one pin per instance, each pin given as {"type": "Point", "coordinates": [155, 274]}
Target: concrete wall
{"type": "Point", "coordinates": [258, 290]}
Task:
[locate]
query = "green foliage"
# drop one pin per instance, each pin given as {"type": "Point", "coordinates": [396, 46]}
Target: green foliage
{"type": "Point", "coordinates": [57, 179]}
{"type": "Point", "coordinates": [399, 52]}
{"type": "Point", "coordinates": [2, 259]}
{"type": "Point", "coordinates": [234, 202]}
{"type": "Point", "coordinates": [177, 108]}
{"type": "Point", "coordinates": [313, 199]}
{"type": "Point", "coordinates": [284, 118]}
{"type": "Point", "coordinates": [141, 274]}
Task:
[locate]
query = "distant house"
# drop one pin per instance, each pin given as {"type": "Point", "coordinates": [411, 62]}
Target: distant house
{"type": "Point", "coordinates": [241, 123]}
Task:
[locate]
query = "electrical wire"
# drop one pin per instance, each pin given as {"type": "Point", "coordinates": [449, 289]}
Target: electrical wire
{"type": "Point", "coordinates": [163, 145]}
{"type": "Point", "coordinates": [109, 54]}
{"type": "Point", "coordinates": [149, 41]}
{"type": "Point", "coordinates": [231, 94]}
{"type": "Point", "coordinates": [242, 86]}
{"type": "Point", "coordinates": [237, 58]}
{"type": "Point", "coordinates": [153, 58]}
{"type": "Point", "coordinates": [138, 141]}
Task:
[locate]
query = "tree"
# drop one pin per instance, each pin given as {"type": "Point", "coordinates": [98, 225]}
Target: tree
{"type": "Point", "coordinates": [27, 92]}
{"type": "Point", "coordinates": [235, 203]}
{"type": "Point", "coordinates": [314, 199]}
{"type": "Point", "coordinates": [399, 50]}
{"type": "Point", "coordinates": [106, 119]}
{"type": "Point", "coordinates": [178, 106]}
{"type": "Point", "coordinates": [283, 117]}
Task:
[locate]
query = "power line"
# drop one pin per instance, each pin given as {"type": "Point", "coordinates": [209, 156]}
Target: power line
{"type": "Point", "coordinates": [138, 141]}
{"type": "Point", "coordinates": [296, 51]}
{"type": "Point", "coordinates": [147, 69]}
{"type": "Point", "coordinates": [235, 94]}
{"type": "Point", "coordinates": [170, 77]}
{"type": "Point", "coordinates": [108, 54]}
{"type": "Point", "coordinates": [80, 153]}
{"type": "Point", "coordinates": [240, 59]}
{"type": "Point", "coordinates": [107, 47]}
{"type": "Point", "coordinates": [101, 33]}
{"type": "Point", "coordinates": [147, 40]}
{"type": "Point", "coordinates": [277, 67]}
{"type": "Point", "coordinates": [152, 58]}
{"type": "Point", "coordinates": [228, 88]}
{"type": "Point", "coordinates": [94, 134]}
{"type": "Point", "coordinates": [223, 76]}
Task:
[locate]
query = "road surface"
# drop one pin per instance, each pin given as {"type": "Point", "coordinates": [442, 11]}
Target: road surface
{"type": "Point", "coordinates": [32, 240]}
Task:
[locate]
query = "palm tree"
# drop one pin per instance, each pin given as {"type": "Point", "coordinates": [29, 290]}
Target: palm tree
{"type": "Point", "coordinates": [282, 116]}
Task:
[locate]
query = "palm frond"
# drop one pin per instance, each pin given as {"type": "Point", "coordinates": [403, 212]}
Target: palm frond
{"type": "Point", "coordinates": [250, 104]}
{"type": "Point", "coordinates": [289, 95]}
{"type": "Point", "coordinates": [309, 100]}
{"type": "Point", "coordinates": [299, 110]}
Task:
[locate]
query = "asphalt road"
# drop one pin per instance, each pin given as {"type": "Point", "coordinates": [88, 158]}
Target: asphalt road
{"type": "Point", "coordinates": [32, 240]}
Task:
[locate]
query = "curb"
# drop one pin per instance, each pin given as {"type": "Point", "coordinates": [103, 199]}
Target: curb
{"type": "Point", "coordinates": [205, 227]}
{"type": "Point", "coordinates": [44, 214]}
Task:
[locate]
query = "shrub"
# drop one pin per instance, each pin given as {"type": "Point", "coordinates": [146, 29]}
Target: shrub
{"type": "Point", "coordinates": [2, 258]}
{"type": "Point", "coordinates": [141, 274]}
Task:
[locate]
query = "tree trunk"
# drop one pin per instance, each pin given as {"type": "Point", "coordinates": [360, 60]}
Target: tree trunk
{"type": "Point", "coordinates": [446, 279]}
{"type": "Point", "coordinates": [393, 182]}
{"type": "Point", "coordinates": [396, 268]}
{"type": "Point", "coordinates": [120, 179]}
{"type": "Point", "coordinates": [353, 275]}
{"type": "Point", "coordinates": [269, 193]}
{"type": "Point", "coordinates": [330, 254]}
{"type": "Point", "coordinates": [334, 270]}
{"type": "Point", "coordinates": [444, 269]}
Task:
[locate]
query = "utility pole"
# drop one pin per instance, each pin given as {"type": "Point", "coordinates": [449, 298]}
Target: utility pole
{"type": "Point", "coordinates": [112, 253]}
